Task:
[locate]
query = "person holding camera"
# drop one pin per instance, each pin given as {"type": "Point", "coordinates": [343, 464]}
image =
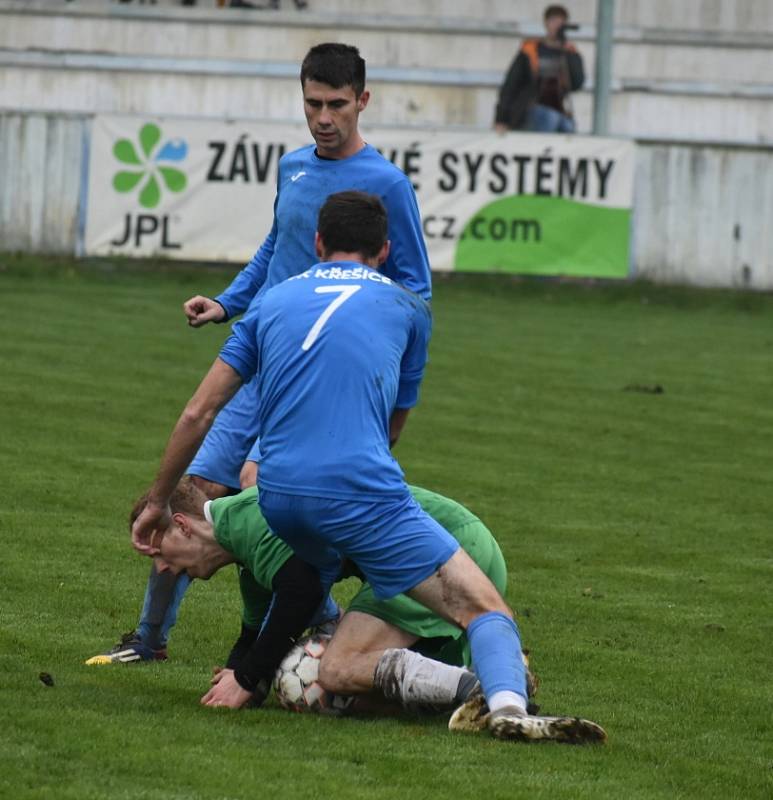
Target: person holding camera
{"type": "Point", "coordinates": [535, 93]}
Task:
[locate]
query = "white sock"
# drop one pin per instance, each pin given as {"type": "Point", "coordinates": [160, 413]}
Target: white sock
{"type": "Point", "coordinates": [415, 680]}
{"type": "Point", "coordinates": [502, 699]}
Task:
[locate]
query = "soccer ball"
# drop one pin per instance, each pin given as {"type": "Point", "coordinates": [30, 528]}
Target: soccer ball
{"type": "Point", "coordinates": [296, 685]}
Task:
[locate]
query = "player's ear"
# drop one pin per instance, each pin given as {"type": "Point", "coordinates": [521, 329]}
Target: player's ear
{"type": "Point", "coordinates": [362, 100]}
{"type": "Point", "coordinates": [384, 252]}
{"type": "Point", "coordinates": [319, 246]}
{"type": "Point", "coordinates": [183, 523]}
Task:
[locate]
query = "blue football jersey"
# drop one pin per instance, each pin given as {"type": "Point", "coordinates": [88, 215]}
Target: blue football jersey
{"type": "Point", "coordinates": [304, 183]}
{"type": "Point", "coordinates": [336, 349]}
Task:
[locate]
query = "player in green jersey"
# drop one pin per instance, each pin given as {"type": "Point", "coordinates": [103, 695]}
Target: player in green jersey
{"type": "Point", "coordinates": [369, 650]}
{"type": "Point", "coordinates": [207, 535]}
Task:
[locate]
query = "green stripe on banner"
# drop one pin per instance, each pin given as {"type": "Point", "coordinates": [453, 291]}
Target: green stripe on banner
{"type": "Point", "coordinates": [538, 235]}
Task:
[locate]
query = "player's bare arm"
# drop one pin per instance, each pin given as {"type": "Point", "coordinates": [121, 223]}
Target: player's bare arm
{"type": "Point", "coordinates": [396, 424]}
{"type": "Point", "coordinates": [218, 387]}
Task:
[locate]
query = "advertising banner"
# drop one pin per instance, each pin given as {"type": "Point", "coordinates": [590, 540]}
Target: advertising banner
{"type": "Point", "coordinates": [542, 204]}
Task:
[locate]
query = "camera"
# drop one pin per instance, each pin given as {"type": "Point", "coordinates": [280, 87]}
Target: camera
{"type": "Point", "coordinates": [563, 29]}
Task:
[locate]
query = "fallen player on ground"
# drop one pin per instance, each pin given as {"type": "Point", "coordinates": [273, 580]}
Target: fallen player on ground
{"type": "Point", "coordinates": [396, 647]}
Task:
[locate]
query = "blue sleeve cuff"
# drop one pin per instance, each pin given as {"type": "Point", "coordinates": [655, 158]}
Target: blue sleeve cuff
{"type": "Point", "coordinates": [237, 360]}
{"type": "Point", "coordinates": [222, 305]}
{"type": "Point", "coordinates": [408, 392]}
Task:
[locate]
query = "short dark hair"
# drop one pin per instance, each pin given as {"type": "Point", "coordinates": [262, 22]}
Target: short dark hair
{"type": "Point", "coordinates": [353, 222]}
{"type": "Point", "coordinates": [186, 498]}
{"type": "Point", "coordinates": [556, 11]}
{"type": "Point", "coordinates": [337, 65]}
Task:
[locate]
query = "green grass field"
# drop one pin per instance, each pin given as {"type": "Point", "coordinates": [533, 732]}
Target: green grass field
{"type": "Point", "coordinates": [637, 527]}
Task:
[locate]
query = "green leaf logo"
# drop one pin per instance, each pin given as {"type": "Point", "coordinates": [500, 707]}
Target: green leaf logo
{"type": "Point", "coordinates": [150, 166]}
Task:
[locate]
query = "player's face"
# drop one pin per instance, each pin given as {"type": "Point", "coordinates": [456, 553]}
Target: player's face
{"type": "Point", "coordinates": [180, 553]}
{"type": "Point", "coordinates": [332, 116]}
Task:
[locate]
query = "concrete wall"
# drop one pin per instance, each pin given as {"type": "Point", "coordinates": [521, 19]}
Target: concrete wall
{"type": "Point", "coordinates": [702, 215]}
{"type": "Point", "coordinates": [700, 15]}
{"type": "Point", "coordinates": [742, 16]}
{"type": "Point", "coordinates": [41, 170]}
{"type": "Point", "coordinates": [89, 83]}
{"type": "Point", "coordinates": [702, 212]}
{"type": "Point", "coordinates": [432, 62]}
{"type": "Point", "coordinates": [470, 44]}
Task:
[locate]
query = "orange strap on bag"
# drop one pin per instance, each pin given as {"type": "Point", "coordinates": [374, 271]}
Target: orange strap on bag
{"type": "Point", "coordinates": [530, 48]}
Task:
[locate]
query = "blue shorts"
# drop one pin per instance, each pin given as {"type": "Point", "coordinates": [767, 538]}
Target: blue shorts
{"type": "Point", "coordinates": [394, 542]}
{"type": "Point", "coordinates": [230, 439]}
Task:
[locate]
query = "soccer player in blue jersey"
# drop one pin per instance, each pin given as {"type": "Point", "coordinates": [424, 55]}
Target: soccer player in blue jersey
{"type": "Point", "coordinates": [334, 95]}
{"type": "Point", "coordinates": [339, 352]}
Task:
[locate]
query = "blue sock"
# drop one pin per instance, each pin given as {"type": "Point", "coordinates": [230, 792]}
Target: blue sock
{"type": "Point", "coordinates": [496, 654]}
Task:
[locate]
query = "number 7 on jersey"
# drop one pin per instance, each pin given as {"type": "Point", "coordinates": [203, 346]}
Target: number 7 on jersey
{"type": "Point", "coordinates": [344, 293]}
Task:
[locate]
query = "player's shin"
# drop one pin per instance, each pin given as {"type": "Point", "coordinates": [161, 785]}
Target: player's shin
{"type": "Point", "coordinates": [163, 596]}
{"type": "Point", "coordinates": [497, 660]}
{"type": "Point", "coordinates": [419, 682]}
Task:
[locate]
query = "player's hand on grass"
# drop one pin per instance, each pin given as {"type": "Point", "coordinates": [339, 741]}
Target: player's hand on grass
{"type": "Point", "coordinates": [201, 310]}
{"type": "Point", "coordinates": [153, 520]}
{"type": "Point", "coordinates": [226, 691]}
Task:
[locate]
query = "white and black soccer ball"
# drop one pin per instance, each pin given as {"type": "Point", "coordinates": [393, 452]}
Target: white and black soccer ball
{"type": "Point", "coordinates": [296, 685]}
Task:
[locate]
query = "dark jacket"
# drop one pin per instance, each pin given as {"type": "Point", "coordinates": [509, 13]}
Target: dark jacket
{"type": "Point", "coordinates": [521, 87]}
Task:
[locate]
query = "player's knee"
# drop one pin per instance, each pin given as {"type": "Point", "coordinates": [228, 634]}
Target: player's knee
{"type": "Point", "coordinates": [248, 477]}
{"type": "Point", "coordinates": [333, 673]}
{"type": "Point", "coordinates": [475, 592]}
{"type": "Point", "coordinates": [495, 602]}
{"type": "Point", "coordinates": [492, 601]}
